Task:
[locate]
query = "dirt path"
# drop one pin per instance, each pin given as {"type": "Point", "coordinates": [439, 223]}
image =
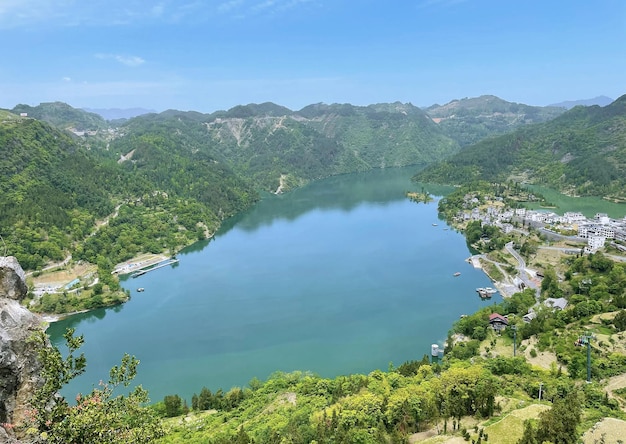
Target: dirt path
{"type": "Point", "coordinates": [281, 184]}
{"type": "Point", "coordinates": [615, 383]}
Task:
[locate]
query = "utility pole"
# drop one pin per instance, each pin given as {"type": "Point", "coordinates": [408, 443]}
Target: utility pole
{"type": "Point", "coordinates": [514, 328]}
{"type": "Point", "coordinates": [588, 359]}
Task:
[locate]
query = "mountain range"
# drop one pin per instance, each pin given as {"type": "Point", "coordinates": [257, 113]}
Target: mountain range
{"type": "Point", "coordinates": [178, 174]}
{"type": "Point", "coordinates": [581, 152]}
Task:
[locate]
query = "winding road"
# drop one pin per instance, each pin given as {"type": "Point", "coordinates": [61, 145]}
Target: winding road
{"type": "Point", "coordinates": [521, 269]}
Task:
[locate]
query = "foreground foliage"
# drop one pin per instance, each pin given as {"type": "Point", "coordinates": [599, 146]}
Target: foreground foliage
{"type": "Point", "coordinates": [101, 416]}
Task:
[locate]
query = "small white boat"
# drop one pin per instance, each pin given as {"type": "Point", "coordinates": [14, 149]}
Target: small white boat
{"type": "Point", "coordinates": [140, 289]}
{"type": "Point", "coordinates": [458, 273]}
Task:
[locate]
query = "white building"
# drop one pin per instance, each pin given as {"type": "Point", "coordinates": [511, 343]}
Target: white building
{"type": "Point", "coordinates": [594, 243]}
{"type": "Point", "coordinates": [572, 217]}
{"type": "Point", "coordinates": [602, 218]}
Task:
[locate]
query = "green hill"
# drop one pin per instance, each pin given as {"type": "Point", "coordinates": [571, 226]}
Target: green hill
{"type": "Point", "coordinates": [53, 189]}
{"type": "Point", "coordinates": [62, 115]}
{"type": "Point", "coordinates": [582, 152]}
{"type": "Point", "coordinates": [472, 119]}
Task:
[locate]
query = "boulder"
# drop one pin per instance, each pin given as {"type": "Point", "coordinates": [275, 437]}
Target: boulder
{"type": "Point", "coordinates": [19, 357]}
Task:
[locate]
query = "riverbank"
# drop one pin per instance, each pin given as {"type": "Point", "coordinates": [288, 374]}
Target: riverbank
{"type": "Point", "coordinates": [506, 285]}
{"type": "Point", "coordinates": [50, 318]}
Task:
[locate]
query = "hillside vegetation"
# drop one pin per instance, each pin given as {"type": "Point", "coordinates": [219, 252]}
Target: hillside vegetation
{"type": "Point", "coordinates": [62, 115]}
{"type": "Point", "coordinates": [60, 200]}
{"type": "Point", "coordinates": [272, 145]}
{"type": "Point", "coordinates": [582, 152]}
{"type": "Point", "coordinates": [470, 120]}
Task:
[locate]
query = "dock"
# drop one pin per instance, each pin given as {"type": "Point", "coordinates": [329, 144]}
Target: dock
{"type": "Point", "coordinates": [143, 271]}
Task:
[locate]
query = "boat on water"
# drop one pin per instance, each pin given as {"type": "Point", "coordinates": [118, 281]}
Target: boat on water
{"type": "Point", "coordinates": [486, 292]}
{"type": "Point", "coordinates": [458, 273]}
{"type": "Point", "coordinates": [140, 289]}
{"type": "Point", "coordinates": [434, 225]}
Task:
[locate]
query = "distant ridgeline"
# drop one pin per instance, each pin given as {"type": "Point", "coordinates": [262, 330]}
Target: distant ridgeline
{"type": "Point", "coordinates": [174, 176]}
{"type": "Point", "coordinates": [582, 152]}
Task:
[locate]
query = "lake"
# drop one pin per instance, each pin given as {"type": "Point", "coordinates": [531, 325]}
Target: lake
{"type": "Point", "coordinates": [342, 276]}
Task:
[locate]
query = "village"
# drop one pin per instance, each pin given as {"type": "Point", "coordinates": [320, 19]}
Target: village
{"type": "Point", "coordinates": [563, 235]}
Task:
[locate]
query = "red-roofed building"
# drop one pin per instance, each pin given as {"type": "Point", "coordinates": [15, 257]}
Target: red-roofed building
{"type": "Point", "coordinates": [498, 322]}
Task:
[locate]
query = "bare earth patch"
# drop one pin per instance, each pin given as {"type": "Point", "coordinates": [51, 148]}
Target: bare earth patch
{"type": "Point", "coordinates": [609, 430]}
{"type": "Point", "coordinates": [510, 429]}
{"type": "Point", "coordinates": [543, 359]}
{"type": "Point", "coordinates": [616, 383]}
{"type": "Point", "coordinates": [432, 435]}
{"type": "Point", "coordinates": [62, 277]}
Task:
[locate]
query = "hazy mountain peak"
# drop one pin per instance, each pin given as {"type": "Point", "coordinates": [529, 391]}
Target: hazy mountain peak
{"type": "Point", "coordinates": [600, 100]}
{"type": "Point", "coordinates": [119, 113]}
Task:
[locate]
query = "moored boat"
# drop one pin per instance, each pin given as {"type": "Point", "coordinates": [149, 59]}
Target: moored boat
{"type": "Point", "coordinates": [485, 292]}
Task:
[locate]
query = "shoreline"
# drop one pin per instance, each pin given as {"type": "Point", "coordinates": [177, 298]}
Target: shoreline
{"type": "Point", "coordinates": [49, 318]}
{"type": "Point", "coordinates": [506, 290]}
{"type": "Point", "coordinates": [136, 263]}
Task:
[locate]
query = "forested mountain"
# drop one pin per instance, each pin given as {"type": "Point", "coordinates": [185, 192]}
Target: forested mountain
{"type": "Point", "coordinates": [472, 119]}
{"type": "Point", "coordinates": [582, 152]}
{"type": "Point", "coordinates": [177, 174]}
{"type": "Point", "coordinates": [52, 190]}
{"type": "Point", "coordinates": [61, 115]}
{"type": "Point", "coordinates": [50, 187]}
{"type": "Point", "coordinates": [276, 147]}
{"type": "Point", "coordinates": [387, 134]}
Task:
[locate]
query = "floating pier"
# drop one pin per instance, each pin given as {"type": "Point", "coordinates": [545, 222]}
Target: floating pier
{"type": "Point", "coordinates": [143, 271]}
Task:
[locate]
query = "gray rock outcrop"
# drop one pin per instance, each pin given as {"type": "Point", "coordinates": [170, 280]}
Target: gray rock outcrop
{"type": "Point", "coordinates": [19, 364]}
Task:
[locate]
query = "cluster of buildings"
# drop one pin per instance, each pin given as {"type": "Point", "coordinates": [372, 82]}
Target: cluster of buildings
{"type": "Point", "coordinates": [596, 231]}
{"type": "Point", "coordinates": [499, 322]}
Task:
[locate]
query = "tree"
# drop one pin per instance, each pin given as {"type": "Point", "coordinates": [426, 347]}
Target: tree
{"type": "Point", "coordinates": [98, 417]}
{"type": "Point", "coordinates": [620, 320]}
{"type": "Point", "coordinates": [173, 405]}
{"type": "Point", "coordinates": [530, 434]}
{"type": "Point", "coordinates": [558, 425]}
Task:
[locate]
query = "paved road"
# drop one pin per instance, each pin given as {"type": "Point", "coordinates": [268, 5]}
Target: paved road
{"type": "Point", "coordinates": [521, 268]}
{"type": "Point", "coordinates": [55, 265]}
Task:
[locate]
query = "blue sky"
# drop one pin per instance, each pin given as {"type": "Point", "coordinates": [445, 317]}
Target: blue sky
{"type": "Point", "coordinates": [211, 55]}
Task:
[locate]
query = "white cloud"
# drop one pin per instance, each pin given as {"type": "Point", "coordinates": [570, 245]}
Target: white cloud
{"type": "Point", "coordinates": [14, 13]}
{"type": "Point", "coordinates": [62, 13]}
{"type": "Point", "coordinates": [132, 61]}
{"type": "Point", "coordinates": [229, 6]}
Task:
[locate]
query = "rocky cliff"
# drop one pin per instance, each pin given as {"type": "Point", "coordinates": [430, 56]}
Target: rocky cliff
{"type": "Point", "coordinates": [19, 365]}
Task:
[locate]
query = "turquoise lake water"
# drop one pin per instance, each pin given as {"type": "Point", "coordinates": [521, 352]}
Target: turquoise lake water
{"type": "Point", "coordinates": [343, 276]}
